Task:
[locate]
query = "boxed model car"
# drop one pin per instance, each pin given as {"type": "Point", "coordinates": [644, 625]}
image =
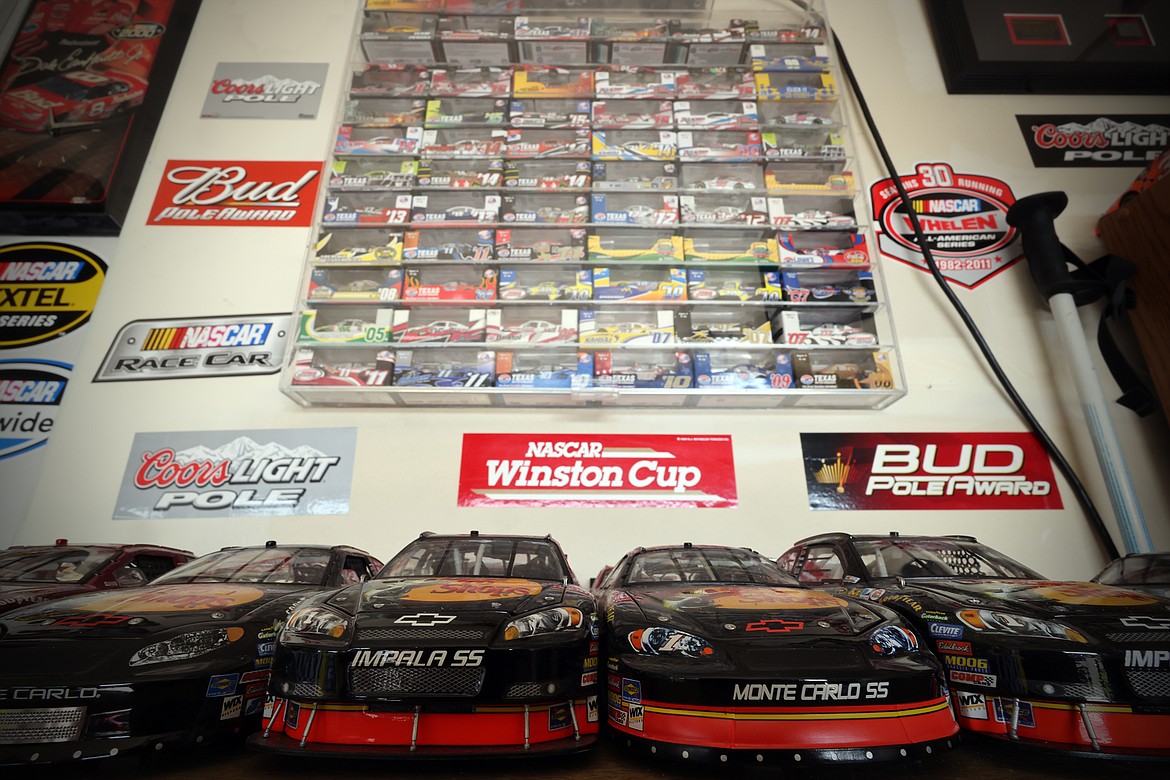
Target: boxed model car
{"type": "Point", "coordinates": [731, 208]}
{"type": "Point", "coordinates": [449, 283]}
{"type": "Point", "coordinates": [374, 283]}
{"type": "Point", "coordinates": [630, 326]}
{"type": "Point", "coordinates": [343, 367]}
{"type": "Point", "coordinates": [827, 328]}
{"type": "Point", "coordinates": [466, 112]}
{"type": "Point", "coordinates": [463, 142]}
{"type": "Point", "coordinates": [633, 114]}
{"type": "Point", "coordinates": [541, 244]}
{"type": "Point", "coordinates": [635, 145]}
{"type": "Point", "coordinates": [635, 176]}
{"type": "Point", "coordinates": [547, 81]}
{"type": "Point", "coordinates": [729, 246]}
{"type": "Point", "coordinates": [552, 40]}
{"type": "Point", "coordinates": [630, 82]}
{"type": "Point", "coordinates": [824, 249]}
{"type": "Point", "coordinates": [551, 113]}
{"type": "Point", "coordinates": [542, 369]}
{"type": "Point", "coordinates": [842, 370]}
{"type": "Point", "coordinates": [459, 174]}
{"type": "Point", "coordinates": [454, 368]}
{"type": "Point", "coordinates": [470, 82]}
{"type": "Point", "coordinates": [358, 247]}
{"type": "Point", "coordinates": [787, 115]}
{"type": "Point", "coordinates": [831, 285]}
{"type": "Point", "coordinates": [795, 86]}
{"type": "Point", "coordinates": [448, 244]}
{"type": "Point", "coordinates": [439, 325]}
{"type": "Point", "coordinates": [721, 177]}
{"type": "Point", "coordinates": [539, 142]}
{"type": "Point", "coordinates": [631, 42]}
{"type": "Point", "coordinates": [718, 146]}
{"type": "Point", "coordinates": [389, 141]}
{"type": "Point", "coordinates": [716, 83]}
{"type": "Point", "coordinates": [395, 37]}
{"type": "Point", "coordinates": [639, 283]}
{"type": "Point", "coordinates": [380, 80]}
{"type": "Point", "coordinates": [554, 175]}
{"type": "Point", "coordinates": [608, 245]}
{"type": "Point", "coordinates": [634, 208]}
{"type": "Point", "coordinates": [731, 369]}
{"type": "Point", "coordinates": [804, 143]}
{"type": "Point", "coordinates": [733, 284]}
{"type": "Point", "coordinates": [810, 57]}
{"type": "Point", "coordinates": [716, 115]}
{"type": "Point", "coordinates": [545, 283]}
{"type": "Point", "coordinates": [802, 177]}
{"type": "Point", "coordinates": [455, 209]}
{"type": "Point", "coordinates": [372, 174]}
{"type": "Point", "coordinates": [545, 209]}
{"type": "Point", "coordinates": [346, 325]}
{"type": "Point", "coordinates": [384, 112]}
{"type": "Point", "coordinates": [374, 207]}
{"type": "Point", "coordinates": [523, 325]}
{"type": "Point", "coordinates": [641, 369]}
{"type": "Point", "coordinates": [701, 46]}
{"type": "Point", "coordinates": [708, 324]}
{"type": "Point", "coordinates": [475, 40]}
{"type": "Point", "coordinates": [812, 212]}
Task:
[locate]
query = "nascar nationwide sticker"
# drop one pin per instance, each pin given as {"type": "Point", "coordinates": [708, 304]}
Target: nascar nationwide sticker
{"type": "Point", "coordinates": [265, 90]}
{"type": "Point", "coordinates": [238, 473]}
{"type": "Point", "coordinates": [652, 470]}
{"type": "Point", "coordinates": [963, 217]}
{"type": "Point", "coordinates": [30, 392]}
{"type": "Point", "coordinates": [930, 471]}
{"type": "Point", "coordinates": [197, 347]}
{"type": "Point", "coordinates": [1094, 141]}
{"type": "Point", "coordinates": [46, 291]}
{"type": "Point", "coordinates": [215, 193]}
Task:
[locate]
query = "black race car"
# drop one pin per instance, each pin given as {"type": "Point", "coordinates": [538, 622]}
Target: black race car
{"type": "Point", "coordinates": [464, 645]}
{"type": "Point", "coordinates": [181, 660]}
{"type": "Point", "coordinates": [1072, 666]}
{"type": "Point", "coordinates": [1145, 572]}
{"type": "Point", "coordinates": [32, 574]}
{"type": "Point", "coordinates": [714, 654]}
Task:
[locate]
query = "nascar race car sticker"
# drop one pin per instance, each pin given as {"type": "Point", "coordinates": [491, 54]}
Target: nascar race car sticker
{"type": "Point", "coordinates": [596, 470]}
{"type": "Point", "coordinates": [46, 291]}
{"type": "Point", "coordinates": [217, 193]}
{"type": "Point", "coordinates": [265, 90]}
{"type": "Point", "coordinates": [30, 392]}
{"type": "Point", "coordinates": [928, 471]}
{"type": "Point", "coordinates": [455, 590]}
{"type": "Point", "coordinates": [729, 597]}
{"type": "Point", "coordinates": [171, 598]}
{"type": "Point", "coordinates": [963, 217]}
{"type": "Point", "coordinates": [298, 471]}
{"type": "Point", "coordinates": [197, 347]}
{"type": "Point", "coordinates": [1094, 141]}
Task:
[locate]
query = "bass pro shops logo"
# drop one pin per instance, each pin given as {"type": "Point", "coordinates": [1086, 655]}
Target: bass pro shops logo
{"type": "Point", "coordinates": [265, 194]}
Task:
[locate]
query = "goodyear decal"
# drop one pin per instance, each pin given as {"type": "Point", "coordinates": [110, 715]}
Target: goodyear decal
{"type": "Point", "coordinates": [197, 347]}
{"type": "Point", "coordinates": [30, 391]}
{"type": "Point", "coordinates": [46, 291]}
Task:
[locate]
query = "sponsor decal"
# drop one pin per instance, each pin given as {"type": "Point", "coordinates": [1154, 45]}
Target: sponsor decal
{"type": "Point", "coordinates": [265, 649]}
{"type": "Point", "coordinates": [559, 717]}
{"type": "Point", "coordinates": [253, 706]}
{"type": "Point", "coordinates": [1144, 621]}
{"type": "Point", "coordinates": [265, 90]}
{"type": "Point", "coordinates": [197, 347]}
{"type": "Point", "coordinates": [604, 470]}
{"type": "Point", "coordinates": [637, 714]}
{"type": "Point", "coordinates": [1147, 659]}
{"type": "Point", "coordinates": [872, 594]}
{"type": "Point", "coordinates": [732, 597]}
{"type": "Point", "coordinates": [1092, 593]}
{"type": "Point", "coordinates": [217, 193]}
{"type": "Point", "coordinates": [928, 471]}
{"type": "Point", "coordinates": [951, 646]}
{"type": "Point", "coordinates": [588, 678]}
{"type": "Point", "coordinates": [901, 598]}
{"type": "Point", "coordinates": [367, 659]}
{"type": "Point", "coordinates": [424, 619]}
{"type": "Point", "coordinates": [963, 217]}
{"type": "Point", "coordinates": [292, 714]}
{"type": "Point", "coordinates": [618, 716]}
{"type": "Point", "coordinates": [971, 705]}
{"type": "Point", "coordinates": [250, 677]}
{"type": "Point", "coordinates": [820, 691]}
{"type": "Point", "coordinates": [238, 473]}
{"type": "Point", "coordinates": [589, 663]}
{"type": "Point", "coordinates": [46, 291]}
{"type": "Point", "coordinates": [592, 710]}
{"type": "Point", "coordinates": [1094, 141]}
{"type": "Point", "coordinates": [30, 392]}
{"type": "Point", "coordinates": [174, 598]}
{"type": "Point", "coordinates": [454, 590]}
{"type": "Point", "coordinates": [966, 662]}
{"type": "Point", "coordinates": [972, 678]}
{"type": "Point", "coordinates": [631, 690]}
{"type": "Point", "coordinates": [930, 615]}
{"type": "Point", "coordinates": [233, 707]}
{"type": "Point", "coordinates": [945, 630]}
{"type": "Point", "coordinates": [1004, 708]}
{"type": "Point", "coordinates": [222, 685]}
{"type": "Point", "coordinates": [776, 626]}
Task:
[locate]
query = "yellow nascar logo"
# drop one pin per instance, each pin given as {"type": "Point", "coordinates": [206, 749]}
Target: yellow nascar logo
{"type": "Point", "coordinates": [46, 291]}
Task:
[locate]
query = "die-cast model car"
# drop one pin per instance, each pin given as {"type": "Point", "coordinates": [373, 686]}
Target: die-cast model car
{"type": "Point", "coordinates": [72, 99]}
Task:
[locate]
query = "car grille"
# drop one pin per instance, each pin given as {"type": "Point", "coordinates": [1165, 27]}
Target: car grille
{"type": "Point", "coordinates": [1138, 636]}
{"type": "Point", "coordinates": [60, 724]}
{"type": "Point", "coordinates": [448, 634]}
{"type": "Point", "coordinates": [1152, 684]}
{"type": "Point", "coordinates": [434, 681]}
{"type": "Point", "coordinates": [305, 689]}
{"type": "Point", "coordinates": [524, 690]}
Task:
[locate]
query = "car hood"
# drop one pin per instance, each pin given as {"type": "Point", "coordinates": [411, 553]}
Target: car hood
{"type": "Point", "coordinates": [1038, 597]}
{"type": "Point", "coordinates": [755, 608]}
{"type": "Point", "coordinates": [147, 609]}
{"type": "Point", "coordinates": [20, 594]}
{"type": "Point", "coordinates": [450, 595]}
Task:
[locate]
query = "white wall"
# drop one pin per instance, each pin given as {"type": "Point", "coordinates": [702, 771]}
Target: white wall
{"type": "Point", "coordinates": [408, 459]}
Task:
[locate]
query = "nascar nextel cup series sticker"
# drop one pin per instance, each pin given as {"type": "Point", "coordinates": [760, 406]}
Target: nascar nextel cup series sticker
{"type": "Point", "coordinates": [296, 471]}
{"type": "Point", "coordinates": [963, 217]}
{"type": "Point", "coordinates": [928, 471]}
{"type": "Point", "coordinates": [196, 347]}
{"type": "Point", "coordinates": [1094, 141]}
{"type": "Point", "coordinates": [46, 291]}
{"type": "Point", "coordinates": [216, 193]}
{"type": "Point", "coordinates": [30, 391]}
{"type": "Point", "coordinates": [265, 90]}
{"type": "Point", "coordinates": [596, 470]}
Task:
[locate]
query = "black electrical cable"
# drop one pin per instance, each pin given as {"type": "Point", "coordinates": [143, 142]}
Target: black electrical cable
{"type": "Point", "coordinates": [1086, 501]}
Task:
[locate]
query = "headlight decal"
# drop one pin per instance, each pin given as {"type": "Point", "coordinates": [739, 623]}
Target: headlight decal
{"type": "Point", "coordinates": [315, 623]}
{"type": "Point", "coordinates": [659, 640]}
{"type": "Point", "coordinates": [185, 646]}
{"type": "Point", "coordinates": [1020, 625]}
{"type": "Point", "coordinates": [548, 621]}
{"type": "Point", "coordinates": [893, 640]}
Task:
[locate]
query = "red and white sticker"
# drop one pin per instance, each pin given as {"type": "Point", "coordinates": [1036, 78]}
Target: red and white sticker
{"type": "Point", "coordinates": [604, 470]}
{"type": "Point", "coordinates": [220, 194]}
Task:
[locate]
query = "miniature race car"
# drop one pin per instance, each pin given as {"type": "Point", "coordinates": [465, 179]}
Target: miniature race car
{"type": "Point", "coordinates": [547, 290]}
{"type": "Point", "coordinates": [32, 574]}
{"type": "Point", "coordinates": [716, 655]}
{"type": "Point", "coordinates": [724, 183]}
{"type": "Point", "coordinates": [463, 646]}
{"type": "Point", "coordinates": [182, 660]}
{"type": "Point", "coordinates": [806, 119]}
{"type": "Point", "coordinates": [75, 98]}
{"type": "Point", "coordinates": [441, 331]}
{"type": "Point", "coordinates": [1070, 666]}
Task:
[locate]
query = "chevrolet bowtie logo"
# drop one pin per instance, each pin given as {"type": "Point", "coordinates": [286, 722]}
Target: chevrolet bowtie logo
{"type": "Point", "coordinates": [424, 619]}
{"type": "Point", "coordinates": [775, 626]}
{"type": "Point", "coordinates": [1142, 621]}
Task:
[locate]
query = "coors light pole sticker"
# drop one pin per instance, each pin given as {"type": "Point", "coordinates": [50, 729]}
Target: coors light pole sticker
{"type": "Point", "coordinates": [238, 473]}
{"type": "Point", "coordinates": [963, 217]}
{"type": "Point", "coordinates": [596, 470]}
{"type": "Point", "coordinates": [221, 194]}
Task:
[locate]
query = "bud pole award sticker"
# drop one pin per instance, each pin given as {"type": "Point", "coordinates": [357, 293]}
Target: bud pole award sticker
{"type": "Point", "coordinates": [963, 218]}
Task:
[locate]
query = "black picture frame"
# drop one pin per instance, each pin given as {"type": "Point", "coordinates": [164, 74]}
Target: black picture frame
{"type": "Point", "coordinates": [1105, 47]}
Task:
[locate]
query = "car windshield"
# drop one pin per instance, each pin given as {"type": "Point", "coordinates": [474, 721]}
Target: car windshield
{"type": "Point", "coordinates": [705, 564]}
{"type": "Point", "coordinates": [937, 558]}
{"type": "Point", "coordinates": [1138, 570]}
{"type": "Point", "coordinates": [287, 565]}
{"type": "Point", "coordinates": [73, 565]}
{"type": "Point", "coordinates": [70, 90]}
{"type": "Point", "coordinates": [535, 559]}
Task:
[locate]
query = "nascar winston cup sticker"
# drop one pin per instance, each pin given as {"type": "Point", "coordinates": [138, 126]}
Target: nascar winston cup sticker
{"type": "Point", "coordinates": [608, 470]}
{"type": "Point", "coordinates": [238, 473]}
{"type": "Point", "coordinates": [928, 471]}
{"type": "Point", "coordinates": [215, 193]}
{"type": "Point", "coordinates": [963, 217]}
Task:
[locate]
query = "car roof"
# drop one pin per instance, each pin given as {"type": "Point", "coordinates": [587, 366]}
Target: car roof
{"type": "Point", "coordinates": [687, 546]}
{"type": "Point", "coordinates": [841, 536]}
{"type": "Point", "coordinates": [478, 535]}
{"type": "Point", "coordinates": [111, 546]}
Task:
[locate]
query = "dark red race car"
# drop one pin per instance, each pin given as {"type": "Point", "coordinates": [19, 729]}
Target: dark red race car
{"type": "Point", "coordinates": [29, 575]}
{"type": "Point", "coordinates": [73, 99]}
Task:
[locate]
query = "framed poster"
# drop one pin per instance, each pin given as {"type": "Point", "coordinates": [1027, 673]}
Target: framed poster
{"type": "Point", "coordinates": [82, 88]}
{"type": "Point", "coordinates": [1053, 46]}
